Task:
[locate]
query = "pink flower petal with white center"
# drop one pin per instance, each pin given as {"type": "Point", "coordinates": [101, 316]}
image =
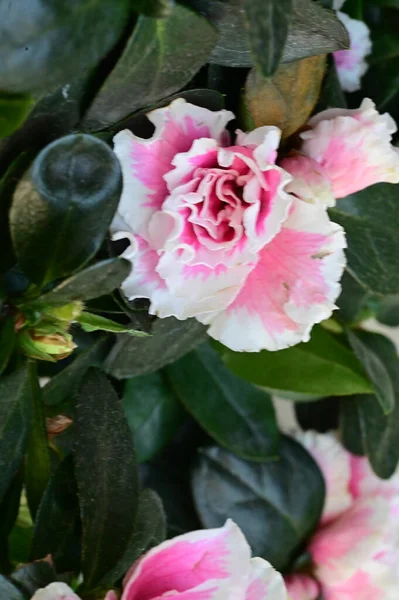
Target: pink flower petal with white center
{"type": "Point", "coordinates": [200, 565]}
{"type": "Point", "coordinates": [309, 182]}
{"type": "Point", "coordinates": [302, 587]}
{"type": "Point", "coordinates": [144, 162]}
{"type": "Point", "coordinates": [293, 286]}
{"type": "Point", "coordinates": [353, 147]}
{"type": "Point", "coordinates": [335, 465]}
{"type": "Point", "coordinates": [55, 591]}
{"type": "Point", "coordinates": [264, 583]}
{"type": "Point", "coordinates": [342, 547]}
{"type": "Point", "coordinates": [351, 64]}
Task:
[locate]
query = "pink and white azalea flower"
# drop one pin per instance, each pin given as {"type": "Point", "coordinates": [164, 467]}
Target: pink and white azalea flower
{"type": "Point", "coordinates": [355, 550]}
{"type": "Point", "coordinates": [212, 564]}
{"type": "Point", "coordinates": [215, 235]}
{"type": "Point", "coordinates": [55, 591]}
{"type": "Point", "coordinates": [351, 64]}
{"type": "Point", "coordinates": [353, 149]}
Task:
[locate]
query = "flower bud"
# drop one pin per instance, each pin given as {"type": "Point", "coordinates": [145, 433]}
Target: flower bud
{"type": "Point", "coordinates": [67, 312]}
{"type": "Point", "coordinates": [46, 346]}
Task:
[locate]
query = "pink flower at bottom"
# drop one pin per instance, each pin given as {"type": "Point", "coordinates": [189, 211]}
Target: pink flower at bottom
{"type": "Point", "coordinates": [355, 550]}
{"type": "Point", "coordinates": [215, 235]}
{"type": "Point", "coordinates": [55, 591]}
{"type": "Point", "coordinates": [213, 564]}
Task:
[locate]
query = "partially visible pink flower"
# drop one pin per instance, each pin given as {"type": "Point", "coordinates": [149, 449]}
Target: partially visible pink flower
{"type": "Point", "coordinates": [302, 587]}
{"type": "Point", "coordinates": [351, 64]}
{"type": "Point", "coordinates": [212, 564]}
{"type": "Point", "coordinates": [355, 550]}
{"type": "Point", "coordinates": [309, 181]}
{"type": "Point", "coordinates": [214, 234]}
{"type": "Point", "coordinates": [353, 147]}
{"type": "Point", "coordinates": [55, 591]}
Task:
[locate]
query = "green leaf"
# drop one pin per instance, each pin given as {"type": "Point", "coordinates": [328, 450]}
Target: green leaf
{"type": "Point", "coordinates": [55, 41]}
{"type": "Point", "coordinates": [62, 388]}
{"type": "Point", "coordinates": [149, 530]}
{"type": "Point", "coordinates": [97, 280]}
{"type": "Point", "coordinates": [322, 367]}
{"type": "Point", "coordinates": [362, 343]}
{"type": "Point", "coordinates": [106, 474]}
{"type": "Point", "coordinates": [72, 193]}
{"type": "Point", "coordinates": [278, 500]}
{"type": "Point", "coordinates": [351, 300]}
{"type": "Point", "coordinates": [34, 576]}
{"type": "Point", "coordinates": [388, 311]}
{"type": "Point", "coordinates": [14, 108]}
{"type": "Point", "coordinates": [92, 322]}
{"type": "Point", "coordinates": [15, 422]}
{"type": "Point", "coordinates": [350, 426]}
{"type": "Point", "coordinates": [153, 413]}
{"type": "Point", "coordinates": [160, 58]}
{"type": "Point", "coordinates": [236, 414]}
{"type": "Point", "coordinates": [267, 24]}
{"type": "Point", "coordinates": [370, 220]}
{"type": "Point", "coordinates": [38, 460]}
{"type": "Point", "coordinates": [9, 508]}
{"type": "Point", "coordinates": [313, 30]}
{"type": "Point", "coordinates": [9, 590]}
{"type": "Point", "coordinates": [332, 95]}
{"type": "Point", "coordinates": [319, 415]}
{"type": "Point", "coordinates": [154, 8]}
{"type": "Point", "coordinates": [170, 340]}
{"type": "Point", "coordinates": [57, 521]}
{"type": "Point", "coordinates": [7, 342]}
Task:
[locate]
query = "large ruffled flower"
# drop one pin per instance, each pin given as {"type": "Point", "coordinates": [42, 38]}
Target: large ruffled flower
{"type": "Point", "coordinates": [343, 151]}
{"type": "Point", "coordinates": [215, 235]}
{"type": "Point", "coordinates": [355, 550]}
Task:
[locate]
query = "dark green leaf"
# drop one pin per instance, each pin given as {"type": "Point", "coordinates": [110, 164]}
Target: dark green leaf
{"type": "Point", "coordinates": [57, 521]}
{"type": "Point", "coordinates": [351, 300]}
{"type": "Point", "coordinates": [388, 311]}
{"type": "Point", "coordinates": [331, 95]}
{"type": "Point", "coordinates": [106, 474]}
{"type": "Point", "coordinates": [320, 415]}
{"type": "Point", "coordinates": [14, 108]}
{"type": "Point", "coordinates": [62, 387]}
{"type": "Point", "coordinates": [170, 340]}
{"type": "Point", "coordinates": [267, 24]}
{"type": "Point", "coordinates": [9, 508]}
{"type": "Point", "coordinates": [55, 41]}
{"type": "Point", "coordinates": [34, 576]}
{"type": "Point", "coordinates": [160, 58]}
{"type": "Point", "coordinates": [370, 219]}
{"type": "Point", "coordinates": [98, 280]}
{"type": "Point", "coordinates": [313, 30]}
{"type": "Point", "coordinates": [9, 591]}
{"type": "Point", "coordinates": [350, 427]}
{"type": "Point", "coordinates": [149, 530]}
{"type": "Point", "coordinates": [91, 322]}
{"type": "Point", "coordinates": [153, 413]}
{"type": "Point", "coordinates": [7, 341]}
{"type": "Point", "coordinates": [375, 367]}
{"type": "Point", "coordinates": [279, 500]}
{"type": "Point", "coordinates": [236, 414]}
{"type": "Point", "coordinates": [72, 193]}
{"type": "Point", "coordinates": [154, 8]}
{"type": "Point", "coordinates": [322, 367]}
{"type": "Point", "coordinates": [15, 422]}
{"type": "Point", "coordinates": [38, 460]}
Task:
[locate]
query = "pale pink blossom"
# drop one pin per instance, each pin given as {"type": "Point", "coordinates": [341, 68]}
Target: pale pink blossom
{"type": "Point", "coordinates": [355, 549]}
{"type": "Point", "coordinates": [212, 564]}
{"type": "Point", "coordinates": [309, 180]}
{"type": "Point", "coordinates": [55, 591]}
{"type": "Point", "coordinates": [215, 235]}
{"type": "Point", "coordinates": [351, 64]}
{"type": "Point", "coordinates": [353, 148]}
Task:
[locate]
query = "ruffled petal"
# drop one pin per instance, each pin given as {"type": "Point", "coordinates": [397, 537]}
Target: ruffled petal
{"type": "Point", "coordinates": [351, 63]}
{"type": "Point", "coordinates": [293, 286]}
{"type": "Point", "coordinates": [264, 583]}
{"type": "Point", "coordinates": [310, 183]}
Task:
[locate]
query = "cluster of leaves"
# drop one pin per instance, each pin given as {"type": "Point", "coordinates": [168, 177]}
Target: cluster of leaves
{"type": "Point", "coordinates": [205, 432]}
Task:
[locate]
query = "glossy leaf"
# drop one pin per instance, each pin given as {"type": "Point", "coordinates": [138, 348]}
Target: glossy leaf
{"type": "Point", "coordinates": [350, 427]}
{"type": "Point", "coordinates": [322, 367]}
{"type": "Point", "coordinates": [370, 219]}
{"type": "Point", "coordinates": [9, 508]}
{"type": "Point", "coordinates": [14, 108]}
{"type": "Point", "coordinates": [161, 56]}
{"type": "Point", "coordinates": [91, 322]}
{"type": "Point", "coordinates": [267, 24]}
{"type": "Point", "coordinates": [319, 415]}
{"type": "Point", "coordinates": [149, 530]}
{"type": "Point", "coordinates": [55, 41]}
{"type": "Point", "coordinates": [106, 475]}
{"type": "Point", "coordinates": [313, 30]}
{"type": "Point", "coordinates": [72, 192]}
{"type": "Point", "coordinates": [363, 345]}
{"type": "Point", "coordinates": [287, 99]}
{"type": "Point", "coordinates": [15, 423]}
{"type": "Point", "coordinates": [388, 311]}
{"type": "Point", "coordinates": [7, 341]}
{"type": "Point", "coordinates": [331, 94]}
{"type": "Point", "coordinates": [154, 8]}
{"type": "Point", "coordinates": [352, 299]}
{"type": "Point", "coordinates": [97, 280]}
{"type": "Point", "coordinates": [153, 413]}
{"type": "Point", "coordinates": [278, 500]}
{"type": "Point", "coordinates": [38, 461]}
{"type": "Point", "coordinates": [170, 340]}
{"type": "Point", "coordinates": [9, 590]}
{"type": "Point", "coordinates": [34, 576]}
{"type": "Point", "coordinates": [236, 414]}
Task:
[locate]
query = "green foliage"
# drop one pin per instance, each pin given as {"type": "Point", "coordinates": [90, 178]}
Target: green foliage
{"type": "Point", "coordinates": [13, 110]}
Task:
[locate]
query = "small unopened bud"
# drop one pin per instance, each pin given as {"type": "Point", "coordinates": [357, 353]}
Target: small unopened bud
{"type": "Point", "coordinates": [50, 346]}
{"type": "Point", "coordinates": [67, 312]}
{"type": "Point", "coordinates": [57, 425]}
